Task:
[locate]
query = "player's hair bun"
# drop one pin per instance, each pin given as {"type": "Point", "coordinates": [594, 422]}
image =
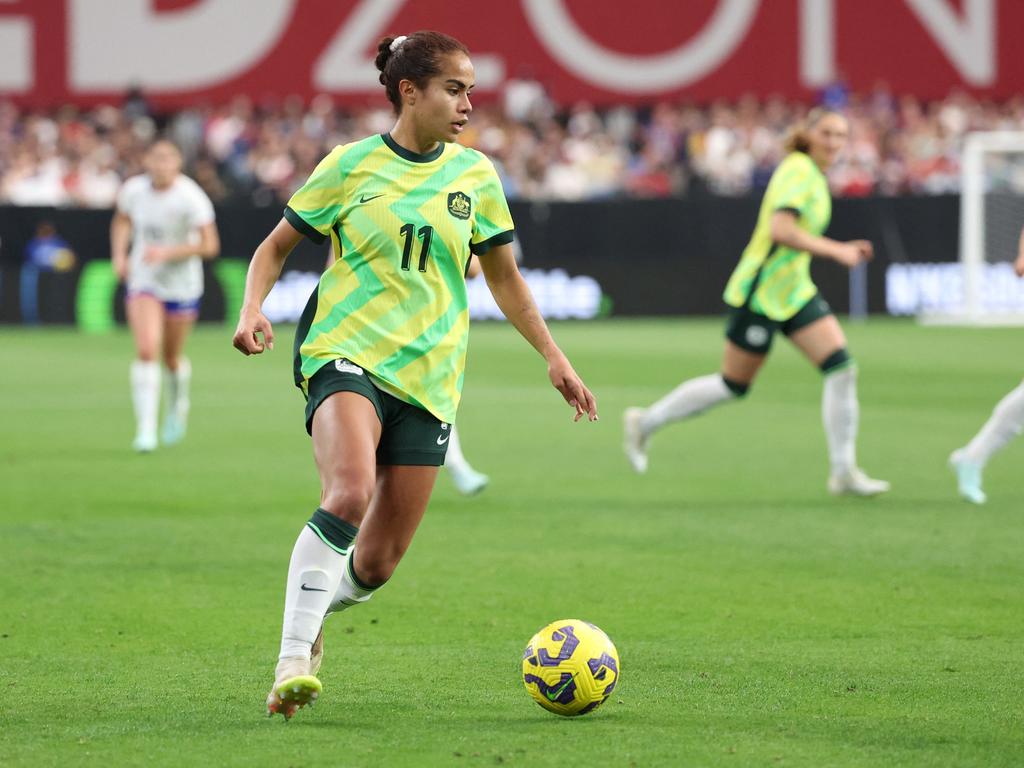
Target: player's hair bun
{"type": "Point", "coordinates": [416, 57]}
{"type": "Point", "coordinates": [384, 53]}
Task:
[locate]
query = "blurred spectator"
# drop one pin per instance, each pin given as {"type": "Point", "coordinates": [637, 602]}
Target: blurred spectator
{"type": "Point", "coordinates": [525, 100]}
{"type": "Point", "coordinates": [46, 252]}
{"type": "Point", "coordinates": [239, 151]}
{"type": "Point", "coordinates": [836, 95]}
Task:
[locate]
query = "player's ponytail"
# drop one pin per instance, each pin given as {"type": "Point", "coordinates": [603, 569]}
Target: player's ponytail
{"type": "Point", "coordinates": [416, 57]}
{"type": "Point", "coordinates": [798, 140]}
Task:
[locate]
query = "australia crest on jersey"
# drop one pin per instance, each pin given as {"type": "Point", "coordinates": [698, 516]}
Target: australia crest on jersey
{"type": "Point", "coordinates": [459, 205]}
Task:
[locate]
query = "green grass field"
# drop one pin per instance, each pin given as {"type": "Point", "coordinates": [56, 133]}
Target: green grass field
{"type": "Point", "coordinates": [759, 621]}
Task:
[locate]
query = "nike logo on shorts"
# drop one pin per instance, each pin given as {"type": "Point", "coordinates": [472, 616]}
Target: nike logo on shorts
{"type": "Point", "coordinates": [344, 366]}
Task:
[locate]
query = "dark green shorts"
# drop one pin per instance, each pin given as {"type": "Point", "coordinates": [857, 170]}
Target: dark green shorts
{"type": "Point", "coordinates": [753, 332]}
{"type": "Point", "coordinates": [409, 435]}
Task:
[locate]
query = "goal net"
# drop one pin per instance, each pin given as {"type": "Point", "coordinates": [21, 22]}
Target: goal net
{"type": "Point", "coordinates": [991, 218]}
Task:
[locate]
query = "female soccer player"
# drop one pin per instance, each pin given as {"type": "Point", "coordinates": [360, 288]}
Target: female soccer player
{"type": "Point", "coordinates": [467, 481]}
{"type": "Point", "coordinates": [1005, 423]}
{"type": "Point", "coordinates": [380, 348]}
{"type": "Point", "coordinates": [771, 290]}
{"type": "Point", "coordinates": [168, 220]}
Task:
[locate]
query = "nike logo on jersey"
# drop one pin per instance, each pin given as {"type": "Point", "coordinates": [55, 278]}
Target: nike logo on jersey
{"type": "Point", "coordinates": [311, 589]}
{"type": "Point", "coordinates": [365, 199]}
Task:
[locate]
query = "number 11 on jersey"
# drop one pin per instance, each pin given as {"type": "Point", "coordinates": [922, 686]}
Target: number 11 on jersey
{"type": "Point", "coordinates": [409, 233]}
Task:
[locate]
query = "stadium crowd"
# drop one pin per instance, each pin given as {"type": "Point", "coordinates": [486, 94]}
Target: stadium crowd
{"type": "Point", "coordinates": [241, 152]}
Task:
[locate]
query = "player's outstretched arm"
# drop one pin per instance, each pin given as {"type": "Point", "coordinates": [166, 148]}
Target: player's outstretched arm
{"type": "Point", "coordinates": [208, 247]}
{"type": "Point", "coordinates": [512, 296]}
{"type": "Point", "coordinates": [786, 231]}
{"type": "Point", "coordinates": [264, 269]}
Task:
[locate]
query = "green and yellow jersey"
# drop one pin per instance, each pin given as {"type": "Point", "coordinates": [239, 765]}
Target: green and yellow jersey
{"type": "Point", "coordinates": [402, 226]}
{"type": "Point", "coordinates": [771, 279]}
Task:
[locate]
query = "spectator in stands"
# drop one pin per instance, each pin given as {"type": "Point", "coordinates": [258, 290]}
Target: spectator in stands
{"type": "Point", "coordinates": [46, 252]}
{"type": "Point", "coordinates": [260, 154]}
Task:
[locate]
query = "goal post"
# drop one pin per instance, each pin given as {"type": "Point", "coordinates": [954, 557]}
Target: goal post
{"type": "Point", "coordinates": [991, 218]}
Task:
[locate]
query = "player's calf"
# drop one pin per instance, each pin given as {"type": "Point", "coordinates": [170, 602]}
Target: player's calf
{"type": "Point", "coordinates": [840, 413]}
{"type": "Point", "coordinates": [689, 399]}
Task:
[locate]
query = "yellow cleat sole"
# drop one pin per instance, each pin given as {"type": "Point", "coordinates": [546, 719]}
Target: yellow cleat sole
{"type": "Point", "coordinates": [293, 694]}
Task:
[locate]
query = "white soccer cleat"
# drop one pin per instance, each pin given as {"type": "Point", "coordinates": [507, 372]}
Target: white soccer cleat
{"type": "Point", "coordinates": [968, 477]}
{"type": "Point", "coordinates": [634, 441]}
{"type": "Point", "coordinates": [172, 431]}
{"type": "Point", "coordinates": [468, 481]}
{"type": "Point", "coordinates": [294, 687]}
{"type": "Point", "coordinates": [144, 443]}
{"type": "Point", "coordinates": [856, 483]}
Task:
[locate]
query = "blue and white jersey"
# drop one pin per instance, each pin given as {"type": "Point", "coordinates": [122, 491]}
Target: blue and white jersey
{"type": "Point", "coordinates": [171, 216]}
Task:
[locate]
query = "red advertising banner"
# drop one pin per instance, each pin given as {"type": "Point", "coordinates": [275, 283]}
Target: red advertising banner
{"type": "Point", "coordinates": [603, 51]}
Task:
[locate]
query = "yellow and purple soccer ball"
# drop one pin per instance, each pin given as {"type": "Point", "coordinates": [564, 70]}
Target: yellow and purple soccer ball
{"type": "Point", "coordinates": [570, 667]}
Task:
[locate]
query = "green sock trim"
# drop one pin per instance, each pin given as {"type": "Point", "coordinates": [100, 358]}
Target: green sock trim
{"type": "Point", "coordinates": [333, 531]}
{"type": "Point", "coordinates": [356, 580]}
{"type": "Point", "coordinates": [840, 367]}
{"type": "Point", "coordinates": [836, 361]}
{"type": "Point", "coordinates": [737, 388]}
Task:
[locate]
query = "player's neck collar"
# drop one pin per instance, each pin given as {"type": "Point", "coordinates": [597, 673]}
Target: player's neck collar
{"type": "Point", "coordinates": [164, 188]}
{"type": "Point", "coordinates": [408, 154]}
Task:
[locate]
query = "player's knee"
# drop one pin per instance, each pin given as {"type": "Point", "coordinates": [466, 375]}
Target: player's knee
{"type": "Point", "coordinates": [348, 501]}
{"type": "Point", "coordinates": [837, 361]}
{"type": "Point", "coordinates": [738, 388]}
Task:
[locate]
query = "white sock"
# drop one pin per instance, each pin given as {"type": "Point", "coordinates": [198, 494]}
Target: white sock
{"type": "Point", "coordinates": [145, 379]}
{"type": "Point", "coordinates": [1005, 423]}
{"type": "Point", "coordinates": [313, 575]}
{"type": "Point", "coordinates": [177, 393]}
{"type": "Point", "coordinates": [454, 460]}
{"type": "Point", "coordinates": [840, 413]}
{"type": "Point", "coordinates": [350, 593]}
{"type": "Point", "coordinates": [688, 399]}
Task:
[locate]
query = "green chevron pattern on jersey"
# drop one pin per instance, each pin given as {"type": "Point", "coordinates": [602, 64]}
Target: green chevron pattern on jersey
{"type": "Point", "coordinates": [772, 279]}
{"type": "Point", "coordinates": [402, 227]}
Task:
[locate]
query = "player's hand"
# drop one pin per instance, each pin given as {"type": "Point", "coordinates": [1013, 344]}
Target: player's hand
{"type": "Point", "coordinates": [120, 267]}
{"type": "Point", "coordinates": [866, 249]}
{"type": "Point", "coordinates": [1018, 265]}
{"type": "Point", "coordinates": [250, 324]}
{"type": "Point", "coordinates": [575, 392]}
{"type": "Point", "coordinates": [156, 254]}
{"type": "Point", "coordinates": [854, 252]}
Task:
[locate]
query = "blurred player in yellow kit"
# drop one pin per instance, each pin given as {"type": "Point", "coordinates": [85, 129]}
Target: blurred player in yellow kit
{"type": "Point", "coordinates": [771, 290]}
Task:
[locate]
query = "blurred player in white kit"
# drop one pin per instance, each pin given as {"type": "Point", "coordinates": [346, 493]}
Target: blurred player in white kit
{"type": "Point", "coordinates": [1005, 423]}
{"type": "Point", "coordinates": [168, 222]}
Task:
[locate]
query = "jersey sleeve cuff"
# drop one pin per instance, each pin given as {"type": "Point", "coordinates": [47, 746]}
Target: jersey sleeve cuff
{"type": "Point", "coordinates": [788, 209]}
{"type": "Point", "coordinates": [502, 238]}
{"type": "Point", "coordinates": [302, 226]}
